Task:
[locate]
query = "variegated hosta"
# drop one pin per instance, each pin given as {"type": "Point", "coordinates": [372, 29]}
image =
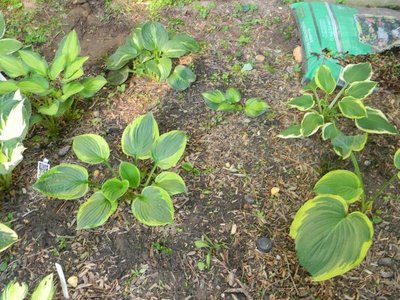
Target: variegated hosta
{"type": "Point", "coordinates": [150, 49]}
{"type": "Point", "coordinates": [140, 141]}
{"type": "Point", "coordinates": [15, 290]}
{"type": "Point", "coordinates": [323, 109]}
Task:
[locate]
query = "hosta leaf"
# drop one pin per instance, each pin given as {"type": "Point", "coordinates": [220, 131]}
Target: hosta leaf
{"type": "Point", "coordinates": [303, 102]}
{"type": "Point", "coordinates": [311, 86]}
{"type": "Point", "coordinates": [113, 189]}
{"type": "Point", "coordinates": [213, 99]}
{"type": "Point", "coordinates": [329, 131]}
{"type": "Point", "coordinates": [181, 78]}
{"type": "Point", "coordinates": [14, 117]}
{"type": "Point", "coordinates": [130, 172]}
{"type": "Point", "coordinates": [341, 183]}
{"type": "Point", "coordinates": [154, 36]}
{"type": "Point", "coordinates": [174, 49]}
{"type": "Point", "coordinates": [69, 46]}
{"type": "Point", "coordinates": [168, 149]}
{"type": "Point", "coordinates": [92, 85]}
{"type": "Point", "coordinates": [358, 72]}
{"type": "Point", "coordinates": [225, 106]}
{"type": "Point", "coordinates": [58, 65]}
{"type": "Point", "coordinates": [360, 89]}
{"type": "Point", "coordinates": [375, 122]}
{"type": "Point", "coordinates": [293, 131]}
{"type": "Point", "coordinates": [139, 136]}
{"type": "Point", "coordinates": [14, 291]}
{"type": "Point", "coordinates": [91, 148]}
{"type": "Point", "coordinates": [121, 57]}
{"type": "Point", "coordinates": [324, 79]}
{"type": "Point", "coordinates": [8, 86]}
{"type": "Point", "coordinates": [7, 237]}
{"type": "Point", "coordinates": [344, 145]}
{"type": "Point", "coordinates": [10, 156]}
{"type": "Point", "coordinates": [255, 107]}
{"type": "Point", "coordinates": [65, 181]}
{"type": "Point", "coordinates": [71, 89]}
{"type": "Point", "coordinates": [396, 159]}
{"type": "Point", "coordinates": [153, 207]}
{"type": "Point", "coordinates": [164, 68]}
{"type": "Point", "coordinates": [12, 66]}
{"type": "Point", "coordinates": [2, 25]}
{"type": "Point", "coordinates": [189, 42]}
{"type": "Point", "coordinates": [74, 70]}
{"type": "Point", "coordinates": [329, 240]}
{"type": "Point", "coordinates": [50, 110]}
{"type": "Point", "coordinates": [34, 61]}
{"type": "Point", "coordinates": [45, 290]}
{"type": "Point", "coordinates": [171, 182]}
{"type": "Point", "coordinates": [35, 84]}
{"type": "Point", "coordinates": [310, 124]}
{"type": "Point", "coordinates": [232, 95]}
{"type": "Point", "coordinates": [9, 46]}
{"type": "Point", "coordinates": [119, 76]}
{"type": "Point", "coordinates": [352, 108]}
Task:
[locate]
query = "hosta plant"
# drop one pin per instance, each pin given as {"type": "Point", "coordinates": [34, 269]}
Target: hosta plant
{"type": "Point", "coordinates": [52, 88]}
{"type": "Point", "coordinates": [45, 290]}
{"type": "Point", "coordinates": [7, 45]}
{"type": "Point", "coordinates": [324, 109]}
{"type": "Point", "coordinates": [149, 195]}
{"type": "Point", "coordinates": [231, 101]}
{"type": "Point", "coordinates": [7, 237]}
{"type": "Point", "coordinates": [151, 50]}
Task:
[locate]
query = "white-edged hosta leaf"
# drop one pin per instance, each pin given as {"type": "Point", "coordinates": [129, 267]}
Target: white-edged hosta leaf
{"type": "Point", "coordinates": [213, 99]}
{"type": "Point", "coordinates": [95, 211]}
{"type": "Point", "coordinates": [153, 207]}
{"type": "Point", "coordinates": [356, 72]}
{"type": "Point", "coordinates": [324, 79]}
{"type": "Point", "coordinates": [130, 172]}
{"type": "Point", "coordinates": [14, 117]}
{"type": "Point", "coordinates": [360, 89]}
{"type": "Point", "coordinates": [45, 290]}
{"type": "Point", "coordinates": [121, 57]}
{"type": "Point", "coordinates": [7, 237]}
{"type": "Point", "coordinates": [35, 84]}
{"type": "Point", "coordinates": [329, 131]}
{"type": "Point", "coordinates": [9, 46]}
{"type": "Point", "coordinates": [255, 107]}
{"type": "Point", "coordinates": [341, 183]}
{"type": "Point", "coordinates": [14, 290]}
{"type": "Point", "coordinates": [181, 78]}
{"type": "Point", "coordinates": [57, 66]}
{"type": "Point", "coordinates": [303, 102]}
{"type": "Point", "coordinates": [352, 108]}
{"type": "Point", "coordinates": [375, 122]}
{"type": "Point", "coordinates": [343, 145]}
{"type": "Point", "coordinates": [10, 156]}
{"type": "Point", "coordinates": [168, 149]}
{"type": "Point", "coordinates": [291, 132]}
{"type": "Point", "coordinates": [92, 85]}
{"type": "Point", "coordinates": [8, 86]}
{"type": "Point", "coordinates": [329, 240]}
{"type": "Point", "coordinates": [396, 159]}
{"type": "Point", "coordinates": [310, 124]}
{"type": "Point", "coordinates": [91, 148]}
{"type": "Point", "coordinates": [113, 188]}
{"type": "Point", "coordinates": [65, 182]}
{"type": "Point", "coordinates": [12, 66]}
{"type": "Point", "coordinates": [69, 46]}
{"type": "Point", "coordinates": [139, 136]}
{"type": "Point", "coordinates": [34, 61]}
{"type": "Point", "coordinates": [232, 95]}
{"type": "Point", "coordinates": [154, 36]}
{"type": "Point", "coordinates": [70, 89]}
{"type": "Point", "coordinates": [171, 182]}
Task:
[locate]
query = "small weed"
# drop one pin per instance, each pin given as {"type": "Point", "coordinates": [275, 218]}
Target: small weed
{"type": "Point", "coordinates": [188, 167]}
{"type": "Point", "coordinates": [204, 10]}
{"type": "Point", "coordinates": [243, 40]}
{"type": "Point", "coordinates": [211, 249]}
{"type": "Point", "coordinates": [161, 248]}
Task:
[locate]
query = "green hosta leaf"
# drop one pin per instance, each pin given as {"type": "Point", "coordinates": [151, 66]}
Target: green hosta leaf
{"type": "Point", "coordinates": [74, 70]}
{"type": "Point", "coordinates": [189, 42]}
{"type": "Point", "coordinates": [2, 25]}
{"type": "Point", "coordinates": [164, 68]}
{"type": "Point", "coordinates": [174, 49]}
{"type": "Point", "coordinates": [7, 237]}
{"type": "Point", "coordinates": [50, 110]}
{"type": "Point", "coordinates": [95, 211]}
{"type": "Point", "coordinates": [324, 79]}
{"type": "Point", "coordinates": [113, 189]}
{"type": "Point", "coordinates": [69, 46]}
{"type": "Point", "coordinates": [303, 102]}
{"type": "Point", "coordinates": [65, 181]}
{"type": "Point", "coordinates": [168, 149]}
{"type": "Point", "coordinates": [310, 124]}
{"type": "Point", "coordinates": [329, 131]}
{"type": "Point", "coordinates": [135, 39]}
{"type": "Point", "coordinates": [311, 86]}
{"type": "Point", "coordinates": [358, 72]}
{"type": "Point", "coordinates": [293, 131]}
{"type": "Point", "coordinates": [14, 291]}
{"type": "Point", "coordinates": [360, 89]}
{"type": "Point", "coordinates": [92, 85]}
{"type": "Point", "coordinates": [10, 156]}
{"type": "Point", "coordinates": [121, 57]}
{"type": "Point", "coordinates": [35, 84]}
{"type": "Point", "coordinates": [329, 240]}
{"type": "Point", "coordinates": [8, 86]}
{"type": "Point", "coordinates": [45, 290]}
{"type": "Point", "coordinates": [352, 108]}
{"type": "Point", "coordinates": [181, 78]}
{"type": "Point", "coordinates": [213, 99]}
{"type": "Point", "coordinates": [119, 76]}
{"type": "Point", "coordinates": [154, 36]}
{"type": "Point", "coordinates": [232, 95]}
{"type": "Point", "coordinates": [153, 207]}
{"type": "Point", "coordinates": [139, 136]}
{"type": "Point", "coordinates": [12, 66]}
{"type": "Point", "coordinates": [130, 172]}
{"type": "Point", "coordinates": [341, 183]}
{"type": "Point", "coordinates": [225, 106]}
{"type": "Point", "coordinates": [58, 65]}
{"type": "Point", "coordinates": [171, 182]}
{"type": "Point", "coordinates": [71, 89]}
{"type": "Point", "coordinates": [344, 145]}
{"type": "Point", "coordinates": [375, 122]}
{"type": "Point", "coordinates": [151, 68]}
{"type": "Point", "coordinates": [9, 46]}
{"type": "Point", "coordinates": [34, 61]}
{"type": "Point", "coordinates": [396, 159]}
{"type": "Point", "coordinates": [255, 107]}
{"type": "Point", "coordinates": [91, 148]}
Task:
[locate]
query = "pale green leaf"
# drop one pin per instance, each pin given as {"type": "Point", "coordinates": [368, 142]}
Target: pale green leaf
{"type": "Point", "coordinates": [255, 107]}
{"type": "Point", "coordinates": [91, 148]}
{"type": "Point", "coordinates": [58, 65]}
{"type": "Point", "coordinates": [232, 95]}
{"type": "Point", "coordinates": [154, 36]}
{"type": "Point", "coordinates": [324, 79]}
{"type": "Point", "coordinates": [9, 46]}
{"type": "Point", "coordinates": [174, 49]}
{"type": "Point", "coordinates": [71, 89]}
{"type": "Point", "coordinates": [34, 61]}
{"type": "Point", "coordinates": [7, 237]}
{"type": "Point", "coordinates": [310, 124]}
{"type": "Point", "coordinates": [303, 102]}
{"type": "Point", "coordinates": [168, 149]}
{"type": "Point", "coordinates": [181, 78]}
{"type": "Point", "coordinates": [375, 122]}
{"type": "Point", "coordinates": [10, 156]}
{"type": "Point", "coordinates": [113, 189]}
{"type": "Point", "coordinates": [130, 172]}
{"type": "Point", "coordinates": [121, 57]}
{"type": "Point", "coordinates": [74, 70]}
{"type": "Point", "coordinates": [396, 159]}
{"type": "Point", "coordinates": [8, 86]}
{"type": "Point", "coordinates": [171, 182]}
{"type": "Point", "coordinates": [35, 84]}
{"type": "Point", "coordinates": [187, 41]}
{"type": "Point", "coordinates": [92, 85]}
{"type": "Point", "coordinates": [14, 290]}
{"type": "Point", "coordinates": [45, 290]}
{"type": "Point", "coordinates": [213, 99]}
{"type": "Point", "coordinates": [69, 46]}
{"type": "Point", "coordinates": [12, 66]}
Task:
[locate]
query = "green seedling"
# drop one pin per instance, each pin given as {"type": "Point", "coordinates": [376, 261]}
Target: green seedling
{"type": "Point", "coordinates": [150, 197]}
{"type": "Point", "coordinates": [161, 248]}
{"type": "Point", "coordinates": [150, 50]}
{"type": "Point", "coordinates": [211, 249]}
{"type": "Point", "coordinates": [45, 290]}
{"type": "Point", "coordinates": [188, 167]}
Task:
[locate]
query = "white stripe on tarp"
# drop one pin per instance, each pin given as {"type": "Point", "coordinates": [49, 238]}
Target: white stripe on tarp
{"type": "Point", "coordinates": [335, 27]}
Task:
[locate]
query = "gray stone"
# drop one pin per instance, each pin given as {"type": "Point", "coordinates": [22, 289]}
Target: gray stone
{"type": "Point", "coordinates": [385, 261]}
{"type": "Point", "coordinates": [387, 274]}
{"type": "Point", "coordinates": [264, 244]}
{"type": "Point", "coordinates": [249, 199]}
{"type": "Point", "coordinates": [64, 150]}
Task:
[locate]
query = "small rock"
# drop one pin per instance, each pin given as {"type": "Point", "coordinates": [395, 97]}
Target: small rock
{"type": "Point", "coordinates": [367, 163]}
{"type": "Point", "coordinates": [96, 173]}
{"type": "Point", "coordinates": [388, 274]}
{"type": "Point", "coordinates": [275, 191]}
{"type": "Point", "coordinates": [297, 54]}
{"type": "Point", "coordinates": [264, 244]}
{"type": "Point", "coordinates": [249, 199]}
{"type": "Point", "coordinates": [385, 261]}
{"type": "Point", "coordinates": [64, 150]}
{"type": "Point", "coordinates": [231, 279]}
{"type": "Point", "coordinates": [233, 229]}
{"type": "Point", "coordinates": [23, 191]}
{"type": "Point", "coordinates": [73, 281]}
{"type": "Point", "coordinates": [260, 58]}
{"type": "Point", "coordinates": [96, 114]}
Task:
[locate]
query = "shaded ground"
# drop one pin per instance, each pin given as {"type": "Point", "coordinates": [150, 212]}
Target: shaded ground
{"type": "Point", "coordinates": [240, 160]}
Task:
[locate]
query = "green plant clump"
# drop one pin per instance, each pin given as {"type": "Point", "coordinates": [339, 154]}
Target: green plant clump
{"type": "Point", "coordinates": [45, 290]}
{"type": "Point", "coordinates": [7, 45]}
{"type": "Point", "coordinates": [141, 141]}
{"type": "Point", "coordinates": [150, 50]}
